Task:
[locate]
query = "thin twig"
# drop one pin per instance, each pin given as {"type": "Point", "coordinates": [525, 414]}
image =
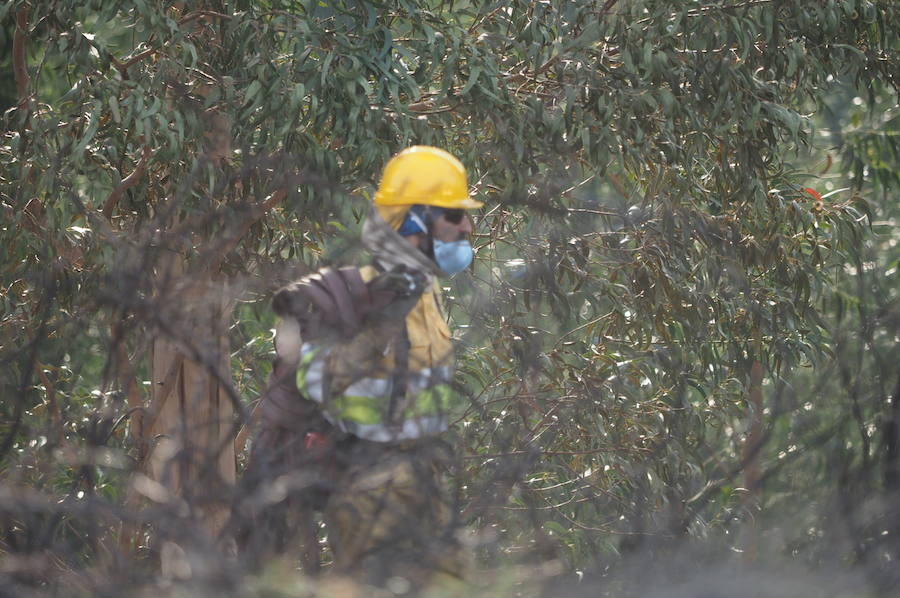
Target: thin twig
{"type": "Point", "coordinates": [240, 442]}
{"type": "Point", "coordinates": [540, 453]}
{"type": "Point", "coordinates": [133, 395]}
{"type": "Point", "coordinates": [55, 416]}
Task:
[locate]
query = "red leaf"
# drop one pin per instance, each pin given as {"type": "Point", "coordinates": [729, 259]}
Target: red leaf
{"type": "Point", "coordinates": [813, 192]}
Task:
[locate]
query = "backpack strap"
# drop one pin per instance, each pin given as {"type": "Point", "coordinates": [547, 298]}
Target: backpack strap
{"type": "Point", "coordinates": [400, 377]}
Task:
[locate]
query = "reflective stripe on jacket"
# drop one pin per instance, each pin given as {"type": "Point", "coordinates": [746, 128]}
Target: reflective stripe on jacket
{"type": "Point", "coordinates": [354, 380]}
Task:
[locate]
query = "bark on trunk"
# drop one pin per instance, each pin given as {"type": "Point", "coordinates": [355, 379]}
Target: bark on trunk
{"type": "Point", "coordinates": [192, 448]}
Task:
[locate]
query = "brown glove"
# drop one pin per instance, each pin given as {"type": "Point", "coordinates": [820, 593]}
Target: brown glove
{"type": "Point", "coordinates": [395, 293]}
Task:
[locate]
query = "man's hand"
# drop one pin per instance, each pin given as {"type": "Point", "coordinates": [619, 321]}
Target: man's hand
{"type": "Point", "coordinates": [395, 293]}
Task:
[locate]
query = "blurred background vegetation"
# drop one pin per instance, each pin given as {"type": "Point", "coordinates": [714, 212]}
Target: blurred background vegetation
{"type": "Point", "coordinates": [680, 334]}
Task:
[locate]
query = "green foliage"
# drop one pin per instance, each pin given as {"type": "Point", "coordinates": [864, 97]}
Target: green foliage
{"type": "Point", "coordinates": [648, 237]}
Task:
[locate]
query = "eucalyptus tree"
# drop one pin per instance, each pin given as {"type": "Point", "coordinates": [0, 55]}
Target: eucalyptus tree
{"type": "Point", "coordinates": [650, 268]}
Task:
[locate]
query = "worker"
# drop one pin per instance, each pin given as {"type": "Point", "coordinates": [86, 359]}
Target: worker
{"type": "Point", "coordinates": [361, 390]}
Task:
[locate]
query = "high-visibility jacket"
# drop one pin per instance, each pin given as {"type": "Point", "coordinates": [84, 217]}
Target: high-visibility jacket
{"type": "Point", "coordinates": [377, 386]}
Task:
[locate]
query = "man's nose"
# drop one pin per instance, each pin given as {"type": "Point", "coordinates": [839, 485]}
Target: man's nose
{"type": "Point", "coordinates": [465, 226]}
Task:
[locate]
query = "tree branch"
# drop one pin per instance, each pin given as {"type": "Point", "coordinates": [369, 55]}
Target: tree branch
{"type": "Point", "coordinates": [124, 66]}
{"type": "Point", "coordinates": [199, 14]}
{"type": "Point", "coordinates": [130, 62]}
{"type": "Point", "coordinates": [126, 183]}
{"type": "Point", "coordinates": [225, 247]}
{"type": "Point", "coordinates": [240, 442]}
{"type": "Point", "coordinates": [55, 416]}
{"type": "Point", "coordinates": [20, 68]}
{"type": "Point", "coordinates": [609, 4]}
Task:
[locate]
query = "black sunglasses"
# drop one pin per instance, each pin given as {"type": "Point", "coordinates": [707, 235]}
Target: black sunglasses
{"type": "Point", "coordinates": [454, 216]}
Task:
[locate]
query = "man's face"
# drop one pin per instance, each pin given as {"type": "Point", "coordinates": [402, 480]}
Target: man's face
{"type": "Point", "coordinates": [452, 225]}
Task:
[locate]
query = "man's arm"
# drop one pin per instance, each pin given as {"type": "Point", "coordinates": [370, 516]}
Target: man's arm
{"type": "Point", "coordinates": [288, 342]}
{"type": "Point", "coordinates": [338, 304]}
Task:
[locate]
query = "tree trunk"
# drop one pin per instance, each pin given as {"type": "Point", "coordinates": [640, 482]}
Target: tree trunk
{"type": "Point", "coordinates": [192, 431]}
{"type": "Point", "coordinates": [191, 428]}
{"type": "Point", "coordinates": [751, 458]}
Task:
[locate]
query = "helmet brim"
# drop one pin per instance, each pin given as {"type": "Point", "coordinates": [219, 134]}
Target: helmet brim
{"type": "Point", "coordinates": [464, 203]}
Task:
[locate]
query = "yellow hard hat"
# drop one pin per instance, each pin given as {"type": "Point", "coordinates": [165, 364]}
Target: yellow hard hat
{"type": "Point", "coordinates": [427, 176]}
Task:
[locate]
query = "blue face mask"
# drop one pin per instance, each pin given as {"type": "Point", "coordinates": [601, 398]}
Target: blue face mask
{"type": "Point", "coordinates": [453, 257]}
